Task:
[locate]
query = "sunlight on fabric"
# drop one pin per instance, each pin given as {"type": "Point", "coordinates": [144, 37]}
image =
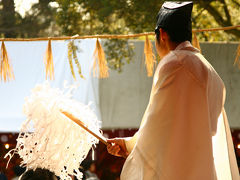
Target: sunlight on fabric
{"type": "Point", "coordinates": [220, 152]}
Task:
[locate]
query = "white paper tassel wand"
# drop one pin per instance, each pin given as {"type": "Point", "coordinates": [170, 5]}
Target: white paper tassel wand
{"type": "Point", "coordinates": [50, 136]}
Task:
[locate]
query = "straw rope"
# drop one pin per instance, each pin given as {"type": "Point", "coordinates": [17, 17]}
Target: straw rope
{"type": "Point", "coordinates": [217, 29]}
{"type": "Point", "coordinates": [6, 71]}
{"type": "Point", "coordinates": [110, 36]}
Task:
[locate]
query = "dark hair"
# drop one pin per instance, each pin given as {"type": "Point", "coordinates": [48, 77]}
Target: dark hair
{"type": "Point", "coordinates": [157, 33]}
{"type": "Point", "coordinates": [38, 174]}
{"type": "Point", "coordinates": [86, 164]}
{"type": "Point", "coordinates": [18, 170]}
{"type": "Point", "coordinates": [179, 35]}
{"type": "Point", "coordinates": [176, 35]}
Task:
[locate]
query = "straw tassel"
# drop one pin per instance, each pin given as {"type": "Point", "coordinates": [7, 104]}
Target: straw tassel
{"type": "Point", "coordinates": [99, 58]}
{"type": "Point", "coordinates": [237, 61]}
{"type": "Point", "coordinates": [48, 60]}
{"type": "Point", "coordinates": [6, 70]}
{"type": "Point", "coordinates": [150, 58]}
{"type": "Point", "coordinates": [196, 42]}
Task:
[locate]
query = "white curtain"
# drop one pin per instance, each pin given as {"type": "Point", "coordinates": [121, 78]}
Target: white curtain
{"type": "Point", "coordinates": [28, 66]}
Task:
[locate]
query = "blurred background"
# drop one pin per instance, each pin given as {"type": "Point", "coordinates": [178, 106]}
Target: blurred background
{"type": "Point", "coordinates": [123, 97]}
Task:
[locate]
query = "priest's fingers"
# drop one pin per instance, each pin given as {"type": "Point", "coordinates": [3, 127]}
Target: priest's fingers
{"type": "Point", "coordinates": [121, 143]}
{"type": "Point", "coordinates": [114, 149]}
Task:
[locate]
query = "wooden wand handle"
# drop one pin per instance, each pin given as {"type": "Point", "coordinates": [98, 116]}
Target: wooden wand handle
{"type": "Point", "coordinates": [81, 124]}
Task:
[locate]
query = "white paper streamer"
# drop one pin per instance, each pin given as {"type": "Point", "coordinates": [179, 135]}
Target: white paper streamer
{"type": "Point", "coordinates": [50, 140]}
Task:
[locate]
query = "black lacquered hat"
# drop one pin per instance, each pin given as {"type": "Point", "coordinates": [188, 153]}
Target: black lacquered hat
{"type": "Point", "coordinates": [175, 16]}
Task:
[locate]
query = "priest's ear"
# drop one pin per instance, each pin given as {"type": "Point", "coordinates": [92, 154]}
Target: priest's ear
{"type": "Point", "coordinates": [163, 35]}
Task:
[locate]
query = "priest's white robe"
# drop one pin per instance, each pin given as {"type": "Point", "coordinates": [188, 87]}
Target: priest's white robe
{"type": "Point", "coordinates": [184, 134]}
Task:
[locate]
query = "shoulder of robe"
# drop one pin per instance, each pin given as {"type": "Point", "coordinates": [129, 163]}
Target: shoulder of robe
{"type": "Point", "coordinates": [185, 61]}
{"type": "Point", "coordinates": [167, 70]}
{"type": "Point", "coordinates": [169, 64]}
{"type": "Point", "coordinates": [194, 64]}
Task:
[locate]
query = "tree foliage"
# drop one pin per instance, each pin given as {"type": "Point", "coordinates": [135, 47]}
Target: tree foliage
{"type": "Point", "coordinates": [39, 21]}
{"type": "Point", "coordinates": [135, 16]}
{"type": "Point", "coordinates": [8, 18]}
{"type": "Point", "coordinates": [222, 13]}
{"type": "Point", "coordinates": [97, 17]}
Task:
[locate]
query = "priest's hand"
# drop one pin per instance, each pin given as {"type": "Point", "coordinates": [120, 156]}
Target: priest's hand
{"type": "Point", "coordinates": [117, 147]}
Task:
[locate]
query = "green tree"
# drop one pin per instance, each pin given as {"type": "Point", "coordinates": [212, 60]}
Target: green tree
{"type": "Point", "coordinates": [209, 14]}
{"type": "Point", "coordinates": [7, 19]}
{"type": "Point", "coordinates": [134, 16]}
{"type": "Point", "coordinates": [96, 17]}
{"type": "Point", "coordinates": [38, 21]}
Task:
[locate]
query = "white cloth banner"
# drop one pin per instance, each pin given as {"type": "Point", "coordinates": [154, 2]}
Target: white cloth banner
{"type": "Point", "coordinates": [26, 59]}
